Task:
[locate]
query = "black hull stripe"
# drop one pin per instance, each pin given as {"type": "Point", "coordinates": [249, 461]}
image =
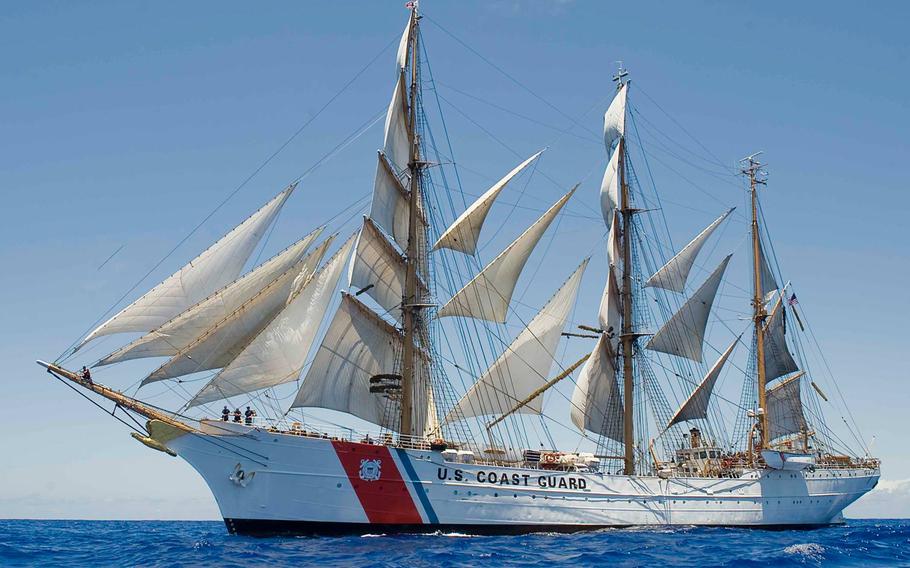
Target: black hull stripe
{"type": "Point", "coordinates": [266, 528]}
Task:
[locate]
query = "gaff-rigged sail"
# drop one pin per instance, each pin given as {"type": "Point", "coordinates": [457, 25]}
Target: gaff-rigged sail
{"type": "Point", "coordinates": [769, 284]}
{"type": "Point", "coordinates": [277, 353]}
{"type": "Point", "coordinates": [778, 360]}
{"type": "Point", "coordinates": [785, 409]}
{"type": "Point", "coordinates": [213, 269]}
{"type": "Point", "coordinates": [525, 365]}
{"type": "Point", "coordinates": [487, 296]}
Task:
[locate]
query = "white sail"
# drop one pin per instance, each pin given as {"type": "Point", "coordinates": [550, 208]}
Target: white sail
{"type": "Point", "coordinates": [180, 331]}
{"type": "Point", "coordinates": [222, 342]}
{"type": "Point", "coordinates": [379, 269]}
{"type": "Point", "coordinates": [609, 315]}
{"type": "Point", "coordinates": [778, 360]}
{"type": "Point", "coordinates": [785, 409]}
{"type": "Point", "coordinates": [277, 354]}
{"type": "Point", "coordinates": [402, 58]}
{"type": "Point", "coordinates": [609, 188]}
{"type": "Point", "coordinates": [525, 365]}
{"type": "Point", "coordinates": [674, 274]}
{"type": "Point", "coordinates": [696, 406]}
{"type": "Point", "coordinates": [596, 401]}
{"type": "Point", "coordinates": [614, 243]}
{"type": "Point", "coordinates": [219, 265]}
{"type": "Point", "coordinates": [358, 345]}
{"type": "Point", "coordinates": [766, 277]}
{"type": "Point", "coordinates": [390, 208]}
{"type": "Point", "coordinates": [397, 142]}
{"type": "Point", "coordinates": [487, 296]}
{"type": "Point", "coordinates": [462, 235]}
{"type": "Point", "coordinates": [683, 334]}
{"type": "Point", "coordinates": [615, 118]}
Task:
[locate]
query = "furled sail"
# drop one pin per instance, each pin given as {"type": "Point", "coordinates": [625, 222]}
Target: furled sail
{"type": "Point", "coordinates": [525, 365]}
{"type": "Point", "coordinates": [277, 354]}
{"type": "Point", "coordinates": [222, 342]}
{"type": "Point", "coordinates": [596, 401]}
{"type": "Point", "coordinates": [180, 331]}
{"type": "Point", "coordinates": [683, 334]}
{"type": "Point", "coordinates": [674, 274]}
{"type": "Point", "coordinates": [609, 188]}
{"type": "Point", "coordinates": [378, 269]}
{"type": "Point", "coordinates": [785, 408]}
{"type": "Point", "coordinates": [778, 360]}
{"type": "Point", "coordinates": [358, 345]}
{"type": "Point", "coordinates": [696, 406]}
{"type": "Point", "coordinates": [487, 296]}
{"type": "Point", "coordinates": [212, 270]}
{"type": "Point", "coordinates": [462, 235]}
{"type": "Point", "coordinates": [615, 117]}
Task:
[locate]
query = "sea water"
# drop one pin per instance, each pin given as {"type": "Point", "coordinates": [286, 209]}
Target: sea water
{"type": "Point", "coordinates": [181, 543]}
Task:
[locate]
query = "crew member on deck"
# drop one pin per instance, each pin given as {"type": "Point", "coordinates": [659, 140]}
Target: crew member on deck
{"type": "Point", "coordinates": [237, 415]}
{"type": "Point", "coordinates": [248, 415]}
{"type": "Point", "coordinates": [225, 414]}
{"type": "Point", "coordinates": [86, 375]}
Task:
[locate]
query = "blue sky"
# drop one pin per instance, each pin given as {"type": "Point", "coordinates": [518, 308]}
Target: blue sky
{"type": "Point", "coordinates": [123, 124]}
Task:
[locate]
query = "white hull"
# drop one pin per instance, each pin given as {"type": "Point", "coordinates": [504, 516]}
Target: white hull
{"type": "Point", "coordinates": [268, 483]}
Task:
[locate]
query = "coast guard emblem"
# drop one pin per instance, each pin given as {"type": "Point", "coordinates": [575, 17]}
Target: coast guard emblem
{"type": "Point", "coordinates": [370, 470]}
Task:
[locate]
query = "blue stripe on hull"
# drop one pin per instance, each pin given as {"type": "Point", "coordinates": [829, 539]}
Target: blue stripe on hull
{"type": "Point", "coordinates": [418, 486]}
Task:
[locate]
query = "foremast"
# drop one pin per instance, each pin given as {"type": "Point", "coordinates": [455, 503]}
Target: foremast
{"type": "Point", "coordinates": [752, 169]}
{"type": "Point", "coordinates": [411, 304]}
{"type": "Point", "coordinates": [627, 336]}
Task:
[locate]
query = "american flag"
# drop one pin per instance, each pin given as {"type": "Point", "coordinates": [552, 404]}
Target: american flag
{"type": "Point", "coordinates": [793, 301]}
{"type": "Point", "coordinates": [410, 5]}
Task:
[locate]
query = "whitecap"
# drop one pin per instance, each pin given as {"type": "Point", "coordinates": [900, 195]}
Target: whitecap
{"type": "Point", "coordinates": [808, 549]}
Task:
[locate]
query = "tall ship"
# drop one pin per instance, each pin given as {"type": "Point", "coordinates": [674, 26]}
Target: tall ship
{"type": "Point", "coordinates": [389, 382]}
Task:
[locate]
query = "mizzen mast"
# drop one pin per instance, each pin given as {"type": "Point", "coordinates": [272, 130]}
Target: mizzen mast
{"type": "Point", "coordinates": [752, 169]}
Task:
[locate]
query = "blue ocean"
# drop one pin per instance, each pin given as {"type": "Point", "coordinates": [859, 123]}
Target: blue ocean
{"type": "Point", "coordinates": [181, 543]}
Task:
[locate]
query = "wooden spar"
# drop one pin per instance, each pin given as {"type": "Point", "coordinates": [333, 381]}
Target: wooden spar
{"type": "Point", "coordinates": [758, 303]}
{"type": "Point", "coordinates": [627, 336]}
{"type": "Point", "coordinates": [121, 399]}
{"type": "Point", "coordinates": [539, 391]}
{"type": "Point", "coordinates": [818, 389]}
{"type": "Point", "coordinates": [409, 305]}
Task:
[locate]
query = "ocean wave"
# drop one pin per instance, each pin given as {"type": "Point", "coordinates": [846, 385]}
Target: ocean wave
{"type": "Point", "coordinates": [50, 544]}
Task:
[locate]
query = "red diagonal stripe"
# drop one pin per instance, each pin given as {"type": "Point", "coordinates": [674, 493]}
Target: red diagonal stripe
{"type": "Point", "coordinates": [385, 500]}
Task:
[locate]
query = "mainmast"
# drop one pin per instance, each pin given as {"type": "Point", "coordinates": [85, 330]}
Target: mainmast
{"type": "Point", "coordinates": [752, 169]}
{"type": "Point", "coordinates": [627, 336]}
{"type": "Point", "coordinates": [410, 303]}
